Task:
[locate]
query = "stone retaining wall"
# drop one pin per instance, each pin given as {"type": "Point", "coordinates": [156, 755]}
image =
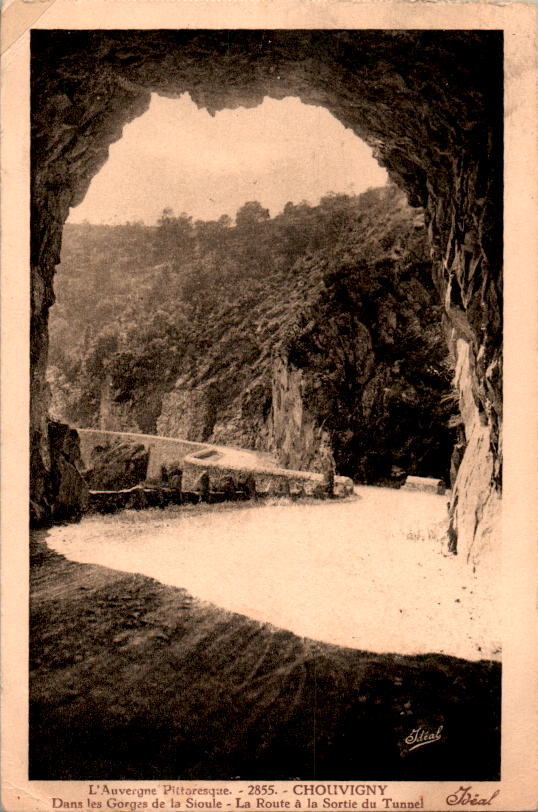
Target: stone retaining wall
{"type": "Point", "coordinates": [269, 480]}
{"type": "Point", "coordinates": [162, 450]}
{"type": "Point", "coordinates": [195, 458]}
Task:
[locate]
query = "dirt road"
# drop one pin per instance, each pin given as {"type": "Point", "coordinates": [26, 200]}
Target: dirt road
{"type": "Point", "coordinates": [365, 573]}
{"type": "Point", "coordinates": [134, 679]}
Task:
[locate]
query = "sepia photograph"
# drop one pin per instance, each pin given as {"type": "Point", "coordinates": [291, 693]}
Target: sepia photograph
{"type": "Point", "coordinates": [267, 333]}
{"type": "Point", "coordinates": [265, 455]}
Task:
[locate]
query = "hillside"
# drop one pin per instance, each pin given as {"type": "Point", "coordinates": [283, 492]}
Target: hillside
{"type": "Point", "coordinates": [315, 334]}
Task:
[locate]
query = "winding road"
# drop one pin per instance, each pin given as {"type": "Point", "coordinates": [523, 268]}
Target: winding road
{"type": "Point", "coordinates": [366, 573]}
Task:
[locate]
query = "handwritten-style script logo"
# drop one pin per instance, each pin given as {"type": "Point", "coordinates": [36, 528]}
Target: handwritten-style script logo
{"type": "Point", "coordinates": [420, 736]}
{"type": "Point", "coordinates": [464, 796]}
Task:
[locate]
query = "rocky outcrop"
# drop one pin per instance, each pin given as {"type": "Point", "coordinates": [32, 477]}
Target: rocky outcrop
{"type": "Point", "coordinates": [366, 373]}
{"type": "Point", "coordinates": [297, 438]}
{"type": "Point", "coordinates": [188, 414]}
{"type": "Point", "coordinates": [245, 420]}
{"type": "Point", "coordinates": [429, 102]}
{"type": "Point", "coordinates": [128, 414]}
{"type": "Point", "coordinates": [475, 507]}
{"type": "Point", "coordinates": [116, 465]}
{"type": "Point", "coordinates": [63, 495]}
{"type": "Point", "coordinates": [114, 415]}
{"type": "Point", "coordinates": [370, 438]}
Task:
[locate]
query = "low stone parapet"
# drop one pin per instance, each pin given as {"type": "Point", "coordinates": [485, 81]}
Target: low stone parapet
{"type": "Point", "coordinates": [162, 450]}
{"type": "Point", "coordinates": [207, 473]}
{"type": "Point", "coordinates": [425, 484]}
{"type": "Point", "coordinates": [268, 480]}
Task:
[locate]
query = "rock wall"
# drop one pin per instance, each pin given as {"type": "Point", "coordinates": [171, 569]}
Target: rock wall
{"type": "Point", "coordinates": [114, 415]}
{"type": "Point", "coordinates": [428, 102]}
{"type": "Point", "coordinates": [117, 464]}
{"type": "Point", "coordinates": [63, 494]}
{"type": "Point", "coordinates": [368, 360]}
{"type": "Point", "coordinates": [297, 439]}
{"type": "Point", "coordinates": [475, 507]}
{"type": "Point", "coordinates": [246, 419]}
{"type": "Point", "coordinates": [188, 414]}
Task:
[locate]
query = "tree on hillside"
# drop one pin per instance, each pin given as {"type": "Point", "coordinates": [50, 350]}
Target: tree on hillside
{"type": "Point", "coordinates": [176, 236]}
{"type": "Point", "coordinates": [251, 214]}
{"type": "Point", "coordinates": [212, 235]}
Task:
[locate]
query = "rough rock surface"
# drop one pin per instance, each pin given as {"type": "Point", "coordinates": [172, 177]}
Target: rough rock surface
{"type": "Point", "coordinates": [364, 377]}
{"type": "Point", "coordinates": [246, 419]}
{"type": "Point", "coordinates": [64, 494]}
{"type": "Point", "coordinates": [117, 465]}
{"type": "Point", "coordinates": [298, 440]}
{"type": "Point", "coordinates": [429, 102]}
{"type": "Point", "coordinates": [187, 414]}
{"type": "Point", "coordinates": [475, 507]}
{"type": "Point", "coordinates": [114, 415]}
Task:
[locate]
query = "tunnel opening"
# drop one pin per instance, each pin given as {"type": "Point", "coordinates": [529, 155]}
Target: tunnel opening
{"type": "Point", "coordinates": [184, 326]}
{"type": "Point", "coordinates": [438, 131]}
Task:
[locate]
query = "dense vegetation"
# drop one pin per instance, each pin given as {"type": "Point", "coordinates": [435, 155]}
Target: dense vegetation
{"type": "Point", "coordinates": [342, 290]}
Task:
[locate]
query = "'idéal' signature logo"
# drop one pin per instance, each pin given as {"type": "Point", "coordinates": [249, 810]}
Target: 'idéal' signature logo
{"type": "Point", "coordinates": [420, 736]}
{"type": "Point", "coordinates": [463, 797]}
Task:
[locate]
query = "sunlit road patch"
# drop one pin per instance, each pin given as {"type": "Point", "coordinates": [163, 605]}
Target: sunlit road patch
{"type": "Point", "coordinates": [368, 573]}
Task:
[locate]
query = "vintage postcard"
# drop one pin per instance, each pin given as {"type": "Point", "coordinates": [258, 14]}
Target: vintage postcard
{"type": "Point", "coordinates": [269, 386]}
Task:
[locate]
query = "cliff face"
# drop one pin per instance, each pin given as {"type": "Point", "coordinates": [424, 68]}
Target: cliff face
{"type": "Point", "coordinates": [341, 359]}
{"type": "Point", "coordinates": [475, 508]}
{"type": "Point", "coordinates": [187, 414]}
{"type": "Point", "coordinates": [65, 490]}
{"type": "Point", "coordinates": [296, 435]}
{"type": "Point", "coordinates": [364, 378]}
{"type": "Point", "coordinates": [429, 102]}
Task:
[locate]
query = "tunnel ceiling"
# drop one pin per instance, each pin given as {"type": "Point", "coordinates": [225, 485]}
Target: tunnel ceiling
{"type": "Point", "coordinates": [420, 99]}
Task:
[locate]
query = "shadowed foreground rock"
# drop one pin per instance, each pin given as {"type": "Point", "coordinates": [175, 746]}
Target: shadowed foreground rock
{"type": "Point", "coordinates": [117, 465]}
{"type": "Point", "coordinates": [134, 680]}
{"type": "Point", "coordinates": [64, 495]}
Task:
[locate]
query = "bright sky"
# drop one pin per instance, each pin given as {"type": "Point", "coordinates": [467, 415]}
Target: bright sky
{"type": "Point", "coordinates": [180, 157]}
